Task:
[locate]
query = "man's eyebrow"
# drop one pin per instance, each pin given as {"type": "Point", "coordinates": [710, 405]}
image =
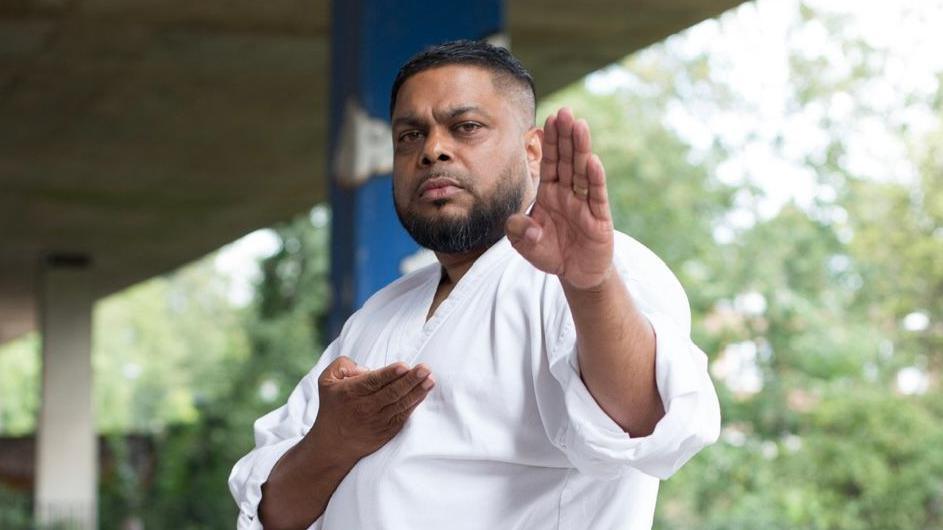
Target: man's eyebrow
{"type": "Point", "coordinates": [455, 112]}
{"type": "Point", "coordinates": [409, 120]}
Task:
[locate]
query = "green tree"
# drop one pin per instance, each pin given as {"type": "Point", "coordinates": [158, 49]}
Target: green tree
{"type": "Point", "coordinates": [285, 335]}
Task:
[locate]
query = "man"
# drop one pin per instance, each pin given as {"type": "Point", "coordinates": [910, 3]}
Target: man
{"type": "Point", "coordinates": [539, 376]}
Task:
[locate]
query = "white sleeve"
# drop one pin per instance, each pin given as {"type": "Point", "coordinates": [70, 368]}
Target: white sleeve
{"type": "Point", "coordinates": [594, 443]}
{"type": "Point", "coordinates": [275, 433]}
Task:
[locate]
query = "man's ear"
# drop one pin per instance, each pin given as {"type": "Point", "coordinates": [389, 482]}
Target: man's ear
{"type": "Point", "coordinates": [533, 146]}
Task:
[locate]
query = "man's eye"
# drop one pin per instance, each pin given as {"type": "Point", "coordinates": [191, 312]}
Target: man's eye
{"type": "Point", "coordinates": [409, 136]}
{"type": "Point", "coordinates": [468, 127]}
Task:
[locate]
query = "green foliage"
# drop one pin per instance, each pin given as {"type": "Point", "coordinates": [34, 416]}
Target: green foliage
{"type": "Point", "coordinates": [828, 443]}
{"type": "Point", "coordinates": [19, 385]}
{"type": "Point", "coordinates": [284, 334]}
{"type": "Point", "coordinates": [15, 509]}
{"type": "Point", "coordinates": [161, 347]}
{"type": "Point", "coordinates": [863, 459]}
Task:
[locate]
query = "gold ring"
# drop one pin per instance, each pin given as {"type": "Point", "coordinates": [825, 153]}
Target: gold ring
{"type": "Point", "coordinates": [581, 191]}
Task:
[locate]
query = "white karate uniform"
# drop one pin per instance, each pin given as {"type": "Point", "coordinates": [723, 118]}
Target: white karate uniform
{"type": "Point", "coordinates": [509, 438]}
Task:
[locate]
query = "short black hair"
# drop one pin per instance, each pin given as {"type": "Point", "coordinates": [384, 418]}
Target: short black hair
{"type": "Point", "coordinates": [466, 52]}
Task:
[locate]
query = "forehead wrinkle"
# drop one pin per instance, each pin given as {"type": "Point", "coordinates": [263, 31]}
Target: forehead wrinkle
{"type": "Point", "coordinates": [410, 120]}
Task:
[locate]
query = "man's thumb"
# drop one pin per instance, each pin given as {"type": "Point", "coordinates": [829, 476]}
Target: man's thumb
{"type": "Point", "coordinates": [342, 367]}
{"type": "Point", "coordinates": [522, 231]}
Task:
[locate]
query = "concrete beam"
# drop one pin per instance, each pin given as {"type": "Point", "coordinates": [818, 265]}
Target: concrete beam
{"type": "Point", "coordinates": [148, 133]}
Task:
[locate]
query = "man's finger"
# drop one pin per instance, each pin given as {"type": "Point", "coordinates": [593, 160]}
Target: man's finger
{"type": "Point", "coordinates": [368, 383]}
{"type": "Point", "coordinates": [405, 405]}
{"type": "Point", "coordinates": [395, 391]}
{"type": "Point", "coordinates": [598, 196]}
{"type": "Point", "coordinates": [581, 157]}
{"type": "Point", "coordinates": [548, 164]}
{"type": "Point", "coordinates": [356, 370]}
{"type": "Point", "coordinates": [565, 147]}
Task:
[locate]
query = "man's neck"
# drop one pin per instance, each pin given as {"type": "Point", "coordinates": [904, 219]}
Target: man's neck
{"type": "Point", "coordinates": [456, 265]}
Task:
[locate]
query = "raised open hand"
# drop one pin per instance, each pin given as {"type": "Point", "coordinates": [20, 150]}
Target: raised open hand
{"type": "Point", "coordinates": [569, 231]}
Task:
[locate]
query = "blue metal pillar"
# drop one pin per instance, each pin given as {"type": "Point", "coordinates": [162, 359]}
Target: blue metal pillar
{"type": "Point", "coordinates": [370, 39]}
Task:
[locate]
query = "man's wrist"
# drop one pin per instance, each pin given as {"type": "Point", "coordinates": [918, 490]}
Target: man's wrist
{"type": "Point", "coordinates": [606, 279]}
{"type": "Point", "coordinates": [334, 453]}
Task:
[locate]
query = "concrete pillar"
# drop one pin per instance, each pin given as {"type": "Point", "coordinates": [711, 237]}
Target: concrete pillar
{"type": "Point", "coordinates": [66, 450]}
{"type": "Point", "coordinates": [370, 39]}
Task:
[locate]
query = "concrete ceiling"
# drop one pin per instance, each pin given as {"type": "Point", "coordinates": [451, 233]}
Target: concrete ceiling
{"type": "Point", "coordinates": [147, 133]}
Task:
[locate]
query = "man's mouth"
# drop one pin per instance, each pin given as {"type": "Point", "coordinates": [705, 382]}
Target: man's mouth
{"type": "Point", "coordinates": [439, 188]}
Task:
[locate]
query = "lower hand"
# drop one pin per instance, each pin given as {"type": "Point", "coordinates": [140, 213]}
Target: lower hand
{"type": "Point", "coordinates": [361, 410]}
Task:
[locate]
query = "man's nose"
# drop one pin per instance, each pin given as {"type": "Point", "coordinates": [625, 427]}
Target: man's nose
{"type": "Point", "coordinates": [435, 150]}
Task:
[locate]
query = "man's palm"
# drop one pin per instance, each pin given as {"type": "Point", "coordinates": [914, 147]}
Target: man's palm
{"type": "Point", "coordinates": [569, 230]}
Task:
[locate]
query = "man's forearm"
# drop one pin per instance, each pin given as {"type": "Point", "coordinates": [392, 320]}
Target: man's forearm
{"type": "Point", "coordinates": [616, 347]}
{"type": "Point", "coordinates": [301, 484]}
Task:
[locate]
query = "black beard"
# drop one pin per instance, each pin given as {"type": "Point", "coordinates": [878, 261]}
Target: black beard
{"type": "Point", "coordinates": [483, 226]}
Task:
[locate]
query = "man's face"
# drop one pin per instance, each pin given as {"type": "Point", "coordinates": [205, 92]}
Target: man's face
{"type": "Point", "coordinates": [465, 158]}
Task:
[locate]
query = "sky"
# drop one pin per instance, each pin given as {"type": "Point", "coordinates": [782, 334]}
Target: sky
{"type": "Point", "coordinates": [748, 48]}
